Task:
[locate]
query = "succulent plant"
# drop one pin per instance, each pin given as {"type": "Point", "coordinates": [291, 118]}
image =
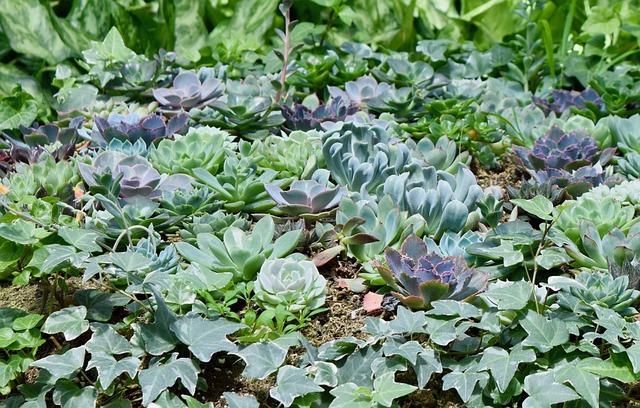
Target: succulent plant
{"type": "Point", "coordinates": [403, 73]}
{"type": "Point", "coordinates": [203, 147]}
{"type": "Point", "coordinates": [360, 91]}
{"type": "Point", "coordinates": [530, 188]}
{"type": "Point", "coordinates": [313, 72]}
{"type": "Point", "coordinates": [624, 133]}
{"type": "Point", "coordinates": [295, 284]}
{"type": "Point", "coordinates": [45, 134]}
{"type": "Point", "coordinates": [445, 201]}
{"type": "Point", "coordinates": [46, 177]}
{"type": "Point", "coordinates": [239, 186]}
{"type": "Point", "coordinates": [306, 198]}
{"type": "Point", "coordinates": [137, 176]}
{"type": "Point", "coordinates": [297, 155]}
{"type": "Point", "coordinates": [590, 290]}
{"type": "Point", "coordinates": [572, 162]}
{"type": "Point", "coordinates": [403, 103]}
{"type": "Point", "coordinates": [301, 117]}
{"type": "Point", "coordinates": [626, 193]}
{"type": "Point", "coordinates": [190, 90]}
{"type": "Point", "coordinates": [132, 128]}
{"type": "Point", "coordinates": [443, 154]}
{"type": "Point", "coordinates": [562, 100]}
{"type": "Point", "coordinates": [630, 269]}
{"type": "Point", "coordinates": [187, 202]}
{"type": "Point", "coordinates": [455, 244]}
{"type": "Point", "coordinates": [240, 253]}
{"type": "Point", "coordinates": [216, 223]}
{"type": "Point", "coordinates": [629, 165]}
{"type": "Point", "coordinates": [420, 277]}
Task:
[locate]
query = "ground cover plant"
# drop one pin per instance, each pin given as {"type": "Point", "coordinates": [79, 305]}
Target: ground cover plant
{"type": "Point", "coordinates": [319, 203]}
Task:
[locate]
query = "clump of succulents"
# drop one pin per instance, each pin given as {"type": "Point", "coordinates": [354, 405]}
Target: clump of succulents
{"type": "Point", "coordinates": [295, 284]}
{"type": "Point", "coordinates": [443, 154]}
{"type": "Point", "coordinates": [31, 143]}
{"type": "Point", "coordinates": [44, 177]}
{"type": "Point", "coordinates": [530, 188]}
{"type": "Point", "coordinates": [302, 117]}
{"type": "Point", "coordinates": [216, 223]}
{"type": "Point", "coordinates": [135, 176]}
{"type": "Point", "coordinates": [203, 147]}
{"type": "Point", "coordinates": [568, 160]}
{"type": "Point", "coordinates": [190, 90]}
{"type": "Point", "coordinates": [629, 165]}
{"type": "Point", "coordinates": [562, 100]}
{"type": "Point", "coordinates": [420, 277]}
{"type": "Point", "coordinates": [626, 192]}
{"type": "Point", "coordinates": [187, 202]}
{"type": "Point", "coordinates": [403, 103]}
{"type": "Point", "coordinates": [131, 128]}
{"type": "Point", "coordinates": [360, 91]}
{"type": "Point", "coordinates": [297, 155]}
{"type": "Point", "coordinates": [238, 252]}
{"type": "Point", "coordinates": [306, 198]}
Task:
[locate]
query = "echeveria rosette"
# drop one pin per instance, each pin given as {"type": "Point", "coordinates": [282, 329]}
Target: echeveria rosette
{"type": "Point", "coordinates": [306, 198]}
{"type": "Point", "coordinates": [295, 284]}
{"type": "Point", "coordinates": [564, 100]}
{"type": "Point", "coordinates": [190, 90]}
{"type": "Point", "coordinates": [301, 117]}
{"type": "Point", "coordinates": [420, 277]}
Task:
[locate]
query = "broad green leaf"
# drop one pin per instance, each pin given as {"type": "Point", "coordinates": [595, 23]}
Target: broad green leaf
{"type": "Point", "coordinates": [463, 382]}
{"type": "Point", "coordinates": [509, 255]}
{"type": "Point", "coordinates": [19, 231]}
{"type": "Point", "coordinates": [158, 337]}
{"type": "Point", "coordinates": [68, 395]}
{"type": "Point", "coordinates": [71, 321]}
{"type": "Point", "coordinates": [27, 322]}
{"type": "Point", "coordinates": [204, 337]}
{"type": "Point", "coordinates": [408, 322]}
{"type": "Point", "coordinates": [161, 376]}
{"type": "Point", "coordinates": [350, 395]}
{"type": "Point", "coordinates": [62, 365]}
{"type": "Point", "coordinates": [106, 340]}
{"type": "Point", "coordinates": [453, 308]}
{"type": "Point", "coordinates": [15, 112]}
{"type": "Point", "coordinates": [544, 391]}
{"type": "Point", "coordinates": [7, 337]}
{"type": "Point", "coordinates": [82, 239]}
{"type": "Point", "coordinates": [503, 364]}
{"type": "Point", "coordinates": [544, 334]}
{"type": "Point", "coordinates": [261, 359]}
{"type": "Point", "coordinates": [111, 49]}
{"type": "Point", "coordinates": [408, 350]}
{"type": "Point", "coordinates": [386, 389]}
{"type": "Point", "coordinates": [584, 382]}
{"type": "Point", "coordinates": [9, 369]}
{"type": "Point", "coordinates": [540, 206]}
{"type": "Point", "coordinates": [59, 256]}
{"type": "Point", "coordinates": [292, 383]}
{"type": "Point", "coordinates": [100, 304]}
{"type": "Point", "coordinates": [194, 403]}
{"type": "Point", "coordinates": [109, 368]}
{"type": "Point", "coordinates": [130, 261]}
{"type": "Point", "coordinates": [633, 353]}
{"type": "Point", "coordinates": [510, 295]}
{"type": "Point", "coordinates": [617, 366]}
{"type": "Point", "coordinates": [240, 401]}
{"type": "Point", "coordinates": [442, 331]}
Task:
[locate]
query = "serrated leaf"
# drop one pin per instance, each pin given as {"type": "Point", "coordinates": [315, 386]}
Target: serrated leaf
{"type": "Point", "coordinates": [106, 340]}
{"type": "Point", "coordinates": [261, 359]}
{"type": "Point", "coordinates": [292, 383]}
{"type": "Point", "coordinates": [62, 365]}
{"type": "Point", "coordinates": [240, 401]}
{"type": "Point", "coordinates": [408, 322]}
{"type": "Point", "coordinates": [157, 378]}
{"type": "Point", "coordinates": [68, 395]}
{"type": "Point", "coordinates": [544, 391]}
{"type": "Point", "coordinates": [386, 389]}
{"type": "Point", "coordinates": [512, 296]}
{"type": "Point", "coordinates": [100, 304]}
{"type": "Point", "coordinates": [71, 321]}
{"type": "Point", "coordinates": [463, 382]}
{"type": "Point", "coordinates": [204, 337]}
{"type": "Point", "coordinates": [540, 206]}
{"type": "Point", "coordinates": [544, 334]}
{"type": "Point", "coordinates": [584, 382]}
{"type": "Point", "coordinates": [503, 364]}
{"type": "Point", "coordinates": [109, 368]}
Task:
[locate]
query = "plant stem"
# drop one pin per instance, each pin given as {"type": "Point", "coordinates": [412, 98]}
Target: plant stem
{"type": "Point", "coordinates": [287, 47]}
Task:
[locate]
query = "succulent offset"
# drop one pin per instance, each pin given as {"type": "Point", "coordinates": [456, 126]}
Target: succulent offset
{"type": "Point", "coordinates": [190, 90]}
{"type": "Point", "coordinates": [420, 277]}
{"type": "Point", "coordinates": [306, 198]}
{"type": "Point", "coordinates": [295, 284]}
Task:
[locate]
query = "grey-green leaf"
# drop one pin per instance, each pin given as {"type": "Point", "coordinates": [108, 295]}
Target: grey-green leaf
{"type": "Point", "coordinates": [503, 364]}
{"type": "Point", "coordinates": [261, 359]}
{"type": "Point", "coordinates": [109, 368]}
{"type": "Point", "coordinates": [540, 206]}
{"type": "Point", "coordinates": [157, 378]}
{"type": "Point", "coordinates": [544, 391]}
{"type": "Point", "coordinates": [106, 340]}
{"type": "Point", "coordinates": [68, 395]}
{"type": "Point", "coordinates": [544, 334]}
{"type": "Point", "coordinates": [71, 321]}
{"type": "Point", "coordinates": [240, 401]}
{"type": "Point", "coordinates": [292, 383]}
{"type": "Point", "coordinates": [62, 365]}
{"type": "Point", "coordinates": [204, 337]}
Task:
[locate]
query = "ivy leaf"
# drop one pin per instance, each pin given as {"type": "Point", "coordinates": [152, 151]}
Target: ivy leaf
{"type": "Point", "coordinates": [544, 334]}
{"type": "Point", "coordinates": [82, 239]}
{"type": "Point", "coordinates": [100, 304]}
{"type": "Point", "coordinates": [453, 308]}
{"type": "Point", "coordinates": [68, 395]}
{"type": "Point", "coordinates": [9, 369]}
{"type": "Point", "coordinates": [584, 382]}
{"type": "Point", "coordinates": [109, 368]}
{"type": "Point", "coordinates": [427, 363]}
{"type": "Point", "coordinates": [163, 375]}
{"type": "Point", "coordinates": [158, 337]}
{"type": "Point", "coordinates": [509, 255]}
{"type": "Point", "coordinates": [511, 296]}
{"type": "Point", "coordinates": [540, 206]}
{"type": "Point", "coordinates": [503, 364]}
{"type": "Point", "coordinates": [408, 322]}
{"type": "Point", "coordinates": [70, 321]}
{"type": "Point", "coordinates": [357, 367]}
{"type": "Point", "coordinates": [62, 365]}
{"type": "Point", "coordinates": [106, 340]}
{"type": "Point", "coordinates": [544, 391]}
{"type": "Point", "coordinates": [386, 389]}
{"type": "Point", "coordinates": [130, 261]}
{"type": "Point", "coordinates": [442, 331]}
{"type": "Point", "coordinates": [262, 359]}
{"type": "Point", "coordinates": [349, 395]}
{"type": "Point", "coordinates": [292, 383]}
{"type": "Point", "coordinates": [240, 401]}
{"type": "Point", "coordinates": [204, 337]}
{"type": "Point", "coordinates": [617, 366]}
{"type": "Point", "coordinates": [26, 322]}
{"type": "Point", "coordinates": [325, 373]}
{"type": "Point", "coordinates": [408, 350]}
{"type": "Point", "coordinates": [633, 353]}
{"type": "Point", "coordinates": [463, 382]}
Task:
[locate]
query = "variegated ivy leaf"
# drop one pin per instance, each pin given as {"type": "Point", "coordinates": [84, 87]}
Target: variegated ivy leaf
{"type": "Point", "coordinates": [106, 340]}
{"type": "Point", "coordinates": [292, 383]}
{"type": "Point", "coordinates": [584, 382]}
{"type": "Point", "coordinates": [164, 373]}
{"type": "Point", "coordinates": [261, 359]}
{"type": "Point", "coordinates": [158, 337]}
{"type": "Point", "coordinates": [68, 395]}
{"type": "Point", "coordinates": [544, 334]}
{"type": "Point", "coordinates": [240, 401]}
{"type": "Point", "coordinates": [408, 322]}
{"type": "Point", "coordinates": [503, 364]}
{"type": "Point", "coordinates": [544, 391]}
{"type": "Point", "coordinates": [71, 321]}
{"type": "Point", "coordinates": [109, 368]}
{"type": "Point", "coordinates": [62, 365]}
{"type": "Point", "coordinates": [386, 389]}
